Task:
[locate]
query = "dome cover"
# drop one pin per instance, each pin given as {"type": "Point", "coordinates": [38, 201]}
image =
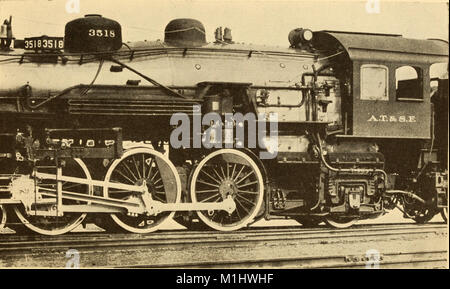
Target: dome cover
{"type": "Point", "coordinates": [93, 33]}
{"type": "Point", "coordinates": [185, 32]}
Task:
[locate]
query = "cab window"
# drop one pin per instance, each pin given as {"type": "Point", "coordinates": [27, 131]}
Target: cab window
{"type": "Point", "coordinates": [408, 83]}
{"type": "Point", "coordinates": [374, 82]}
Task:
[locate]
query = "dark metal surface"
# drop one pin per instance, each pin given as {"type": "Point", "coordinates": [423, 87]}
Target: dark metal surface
{"type": "Point", "coordinates": [93, 33]}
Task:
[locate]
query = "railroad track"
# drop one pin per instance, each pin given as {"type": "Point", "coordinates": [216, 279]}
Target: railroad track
{"type": "Point", "coordinates": [396, 245]}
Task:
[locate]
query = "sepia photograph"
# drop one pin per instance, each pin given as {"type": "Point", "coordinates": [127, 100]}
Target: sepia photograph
{"type": "Point", "coordinates": [211, 134]}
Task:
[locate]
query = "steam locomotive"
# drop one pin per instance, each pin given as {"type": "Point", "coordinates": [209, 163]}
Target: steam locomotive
{"type": "Point", "coordinates": [131, 135]}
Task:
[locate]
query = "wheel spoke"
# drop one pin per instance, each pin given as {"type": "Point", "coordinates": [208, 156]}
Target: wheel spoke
{"type": "Point", "coordinates": [245, 199]}
{"type": "Point", "coordinates": [248, 212]}
{"type": "Point", "coordinates": [154, 175]}
{"type": "Point", "coordinates": [237, 212]}
{"type": "Point", "coordinates": [217, 174]}
{"type": "Point", "coordinates": [246, 176]}
{"type": "Point", "coordinates": [205, 191]}
{"type": "Point", "coordinates": [206, 183]}
{"type": "Point", "coordinates": [120, 172]}
{"type": "Point", "coordinates": [248, 184]}
{"type": "Point", "coordinates": [211, 177]}
{"type": "Point", "coordinates": [209, 198]}
{"type": "Point", "coordinates": [223, 173]}
{"type": "Point", "coordinates": [239, 173]}
{"type": "Point", "coordinates": [129, 170]}
{"type": "Point", "coordinates": [232, 173]}
{"type": "Point", "coordinates": [158, 198]}
{"type": "Point", "coordinates": [151, 167]}
{"type": "Point", "coordinates": [137, 167]}
{"type": "Point", "coordinates": [143, 165]}
{"type": "Point", "coordinates": [248, 192]}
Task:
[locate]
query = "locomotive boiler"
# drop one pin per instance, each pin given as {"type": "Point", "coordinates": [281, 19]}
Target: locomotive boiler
{"type": "Point", "coordinates": [337, 127]}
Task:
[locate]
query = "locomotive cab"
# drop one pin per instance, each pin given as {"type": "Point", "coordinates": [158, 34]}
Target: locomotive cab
{"type": "Point", "coordinates": [390, 85]}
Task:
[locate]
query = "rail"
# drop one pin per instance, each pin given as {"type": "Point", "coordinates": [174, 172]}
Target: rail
{"type": "Point", "coordinates": [405, 246]}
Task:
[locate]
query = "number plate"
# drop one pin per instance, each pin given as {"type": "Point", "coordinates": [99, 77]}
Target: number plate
{"type": "Point", "coordinates": [44, 43]}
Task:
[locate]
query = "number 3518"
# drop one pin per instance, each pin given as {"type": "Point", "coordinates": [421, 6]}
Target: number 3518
{"type": "Point", "coordinates": [102, 33]}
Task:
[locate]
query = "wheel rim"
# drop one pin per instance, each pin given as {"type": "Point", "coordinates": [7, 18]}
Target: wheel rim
{"type": "Point", "coordinates": [160, 174]}
{"type": "Point", "coordinates": [340, 222]}
{"type": "Point", "coordinates": [228, 172]}
{"type": "Point", "coordinates": [69, 221]}
{"type": "Point", "coordinates": [2, 217]}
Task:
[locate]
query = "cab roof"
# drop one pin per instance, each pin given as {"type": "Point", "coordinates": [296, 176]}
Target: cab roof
{"type": "Point", "coordinates": [383, 47]}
